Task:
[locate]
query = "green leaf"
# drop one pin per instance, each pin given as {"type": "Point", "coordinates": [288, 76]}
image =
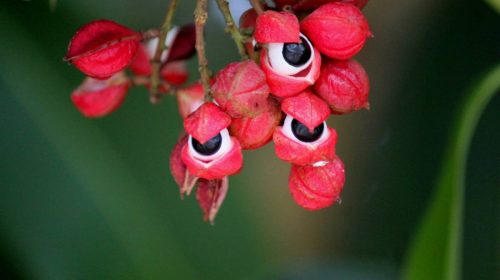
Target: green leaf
{"type": "Point", "coordinates": [495, 4]}
{"type": "Point", "coordinates": [436, 250]}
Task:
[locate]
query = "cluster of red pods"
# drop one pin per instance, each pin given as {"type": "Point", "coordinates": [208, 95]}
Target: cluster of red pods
{"type": "Point", "coordinates": [302, 72]}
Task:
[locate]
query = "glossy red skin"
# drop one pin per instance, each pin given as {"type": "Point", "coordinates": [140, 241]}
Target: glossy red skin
{"type": "Point", "coordinates": [298, 153]}
{"type": "Point", "coordinates": [241, 89]}
{"type": "Point", "coordinates": [315, 188]}
{"type": "Point", "coordinates": [177, 166]}
{"type": "Point", "coordinates": [277, 27]}
{"type": "Point", "coordinates": [255, 132]}
{"type": "Point", "coordinates": [210, 195]}
{"type": "Point", "coordinates": [307, 108]}
{"type": "Point", "coordinates": [344, 85]}
{"type": "Point", "coordinates": [102, 48]}
{"type": "Point", "coordinates": [206, 122]}
{"type": "Point", "coordinates": [190, 98]}
{"type": "Point", "coordinates": [228, 164]}
{"type": "Point", "coordinates": [337, 30]}
{"type": "Point", "coordinates": [98, 98]}
{"type": "Point", "coordinates": [283, 86]}
{"type": "Point", "coordinates": [307, 5]}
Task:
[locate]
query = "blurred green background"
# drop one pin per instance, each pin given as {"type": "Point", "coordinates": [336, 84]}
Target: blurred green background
{"type": "Point", "coordinates": [93, 199]}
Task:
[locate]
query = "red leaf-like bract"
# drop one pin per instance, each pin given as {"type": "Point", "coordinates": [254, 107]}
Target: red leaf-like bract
{"type": "Point", "coordinates": [315, 188]}
{"type": "Point", "coordinates": [337, 30]}
{"type": "Point", "coordinates": [97, 98]}
{"type": "Point", "coordinates": [307, 108]}
{"type": "Point", "coordinates": [210, 195]}
{"type": "Point", "coordinates": [241, 89]}
{"type": "Point", "coordinates": [344, 85]}
{"type": "Point", "coordinates": [102, 48]}
{"type": "Point", "coordinates": [206, 122]}
{"type": "Point", "coordinates": [277, 27]}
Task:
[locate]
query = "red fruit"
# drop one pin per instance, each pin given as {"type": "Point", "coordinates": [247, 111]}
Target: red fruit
{"type": "Point", "coordinates": [227, 162]}
{"type": "Point", "coordinates": [189, 99]}
{"type": "Point", "coordinates": [255, 132]}
{"type": "Point", "coordinates": [292, 150]}
{"type": "Point", "coordinates": [283, 85]}
{"type": "Point", "coordinates": [97, 98]}
{"type": "Point", "coordinates": [337, 30]}
{"type": "Point", "coordinates": [210, 152]}
{"type": "Point", "coordinates": [179, 45]}
{"type": "Point", "coordinates": [210, 195]}
{"type": "Point", "coordinates": [277, 27]}
{"type": "Point", "coordinates": [241, 89]}
{"type": "Point", "coordinates": [183, 46]}
{"type": "Point", "coordinates": [307, 5]}
{"type": "Point", "coordinates": [248, 19]}
{"type": "Point", "coordinates": [344, 85]}
{"type": "Point", "coordinates": [247, 24]}
{"type": "Point", "coordinates": [175, 73]}
{"type": "Point", "coordinates": [102, 48]}
{"type": "Point", "coordinates": [317, 187]}
{"type": "Point", "coordinates": [304, 138]}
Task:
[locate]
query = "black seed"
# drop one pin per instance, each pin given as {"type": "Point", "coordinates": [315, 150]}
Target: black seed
{"type": "Point", "coordinates": [208, 148]}
{"type": "Point", "coordinates": [304, 134]}
{"type": "Point", "coordinates": [297, 54]}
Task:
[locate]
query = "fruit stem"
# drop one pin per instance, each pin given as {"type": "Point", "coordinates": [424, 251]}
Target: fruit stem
{"type": "Point", "coordinates": [231, 28]}
{"type": "Point", "coordinates": [156, 61]}
{"type": "Point", "coordinates": [200, 19]}
{"type": "Point", "coordinates": [257, 6]}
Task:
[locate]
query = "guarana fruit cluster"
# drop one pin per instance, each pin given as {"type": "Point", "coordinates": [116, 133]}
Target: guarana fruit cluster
{"type": "Point", "coordinates": [302, 71]}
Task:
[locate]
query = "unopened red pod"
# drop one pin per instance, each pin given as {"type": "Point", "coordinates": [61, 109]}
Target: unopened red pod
{"type": "Point", "coordinates": [97, 98]}
{"type": "Point", "coordinates": [190, 98]}
{"type": "Point", "coordinates": [241, 89]}
{"type": "Point", "coordinates": [338, 30]}
{"type": "Point", "coordinates": [277, 27]}
{"type": "Point", "coordinates": [290, 67]}
{"type": "Point", "coordinates": [304, 138]}
{"type": "Point", "coordinates": [102, 48]}
{"type": "Point", "coordinates": [210, 152]}
{"type": "Point", "coordinates": [255, 132]}
{"type": "Point", "coordinates": [344, 85]}
{"type": "Point", "coordinates": [317, 187]}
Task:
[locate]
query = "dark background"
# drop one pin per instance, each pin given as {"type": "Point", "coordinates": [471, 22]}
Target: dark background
{"type": "Point", "coordinates": [93, 199]}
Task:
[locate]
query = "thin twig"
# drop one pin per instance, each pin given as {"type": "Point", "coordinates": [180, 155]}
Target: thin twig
{"type": "Point", "coordinates": [231, 27]}
{"type": "Point", "coordinates": [156, 61]}
{"type": "Point", "coordinates": [200, 19]}
{"type": "Point", "coordinates": [257, 6]}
